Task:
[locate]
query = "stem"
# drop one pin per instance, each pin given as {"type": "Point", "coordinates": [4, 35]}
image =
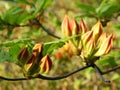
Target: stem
{"type": "Point", "coordinates": [110, 70]}
{"type": "Point", "coordinates": [100, 73]}
{"type": "Point", "coordinates": [62, 76]}
{"type": "Point", "coordinates": [48, 31]}
{"type": "Point", "coordinates": [45, 77]}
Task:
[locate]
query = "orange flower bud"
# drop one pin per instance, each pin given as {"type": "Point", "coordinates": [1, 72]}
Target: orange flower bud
{"type": "Point", "coordinates": [74, 27]}
{"type": "Point", "coordinates": [90, 46]}
{"type": "Point", "coordinates": [32, 66]}
{"type": "Point", "coordinates": [97, 30]}
{"type": "Point", "coordinates": [83, 27]}
{"type": "Point", "coordinates": [86, 37]}
{"type": "Point", "coordinates": [38, 47]}
{"type": "Point", "coordinates": [45, 64]}
{"type": "Point", "coordinates": [23, 56]}
{"type": "Point", "coordinates": [105, 46]}
{"type": "Point", "coordinates": [31, 61]}
{"type": "Point", "coordinates": [66, 28]}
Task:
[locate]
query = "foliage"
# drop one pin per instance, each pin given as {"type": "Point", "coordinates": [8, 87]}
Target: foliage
{"type": "Point", "coordinates": [28, 22]}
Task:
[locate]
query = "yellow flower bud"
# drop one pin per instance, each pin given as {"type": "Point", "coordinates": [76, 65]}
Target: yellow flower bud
{"type": "Point", "coordinates": [45, 64]}
{"type": "Point", "coordinates": [38, 47]}
{"type": "Point", "coordinates": [97, 30]}
{"type": "Point", "coordinates": [86, 37]}
{"type": "Point", "coordinates": [105, 46]}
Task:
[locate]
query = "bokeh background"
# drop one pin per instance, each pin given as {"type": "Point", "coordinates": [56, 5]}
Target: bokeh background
{"type": "Point", "coordinates": [51, 17]}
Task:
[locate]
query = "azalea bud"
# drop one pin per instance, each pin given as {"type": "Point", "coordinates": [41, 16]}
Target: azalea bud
{"type": "Point", "coordinates": [105, 46]}
{"type": "Point", "coordinates": [45, 64]}
{"type": "Point", "coordinates": [32, 67]}
{"type": "Point", "coordinates": [30, 61]}
{"type": "Point", "coordinates": [86, 37]}
{"type": "Point", "coordinates": [75, 27]}
{"type": "Point", "coordinates": [97, 30]}
{"type": "Point", "coordinates": [66, 28]}
{"type": "Point", "coordinates": [38, 47]}
{"type": "Point", "coordinates": [90, 46]}
{"type": "Point", "coordinates": [23, 56]}
{"type": "Point", "coordinates": [83, 27]}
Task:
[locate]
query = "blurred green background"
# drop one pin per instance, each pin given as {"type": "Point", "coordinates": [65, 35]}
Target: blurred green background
{"type": "Point", "coordinates": [50, 13]}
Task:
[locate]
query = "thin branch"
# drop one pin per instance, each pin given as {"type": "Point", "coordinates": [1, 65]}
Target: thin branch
{"type": "Point", "coordinates": [100, 73]}
{"type": "Point", "coordinates": [63, 76]}
{"type": "Point", "coordinates": [48, 31]}
{"type": "Point", "coordinates": [36, 22]}
{"type": "Point", "coordinates": [39, 76]}
{"type": "Point", "coordinates": [45, 77]}
{"type": "Point", "coordinates": [111, 70]}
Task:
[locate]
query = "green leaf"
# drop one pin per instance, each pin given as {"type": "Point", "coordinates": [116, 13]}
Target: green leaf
{"type": "Point", "coordinates": [15, 16]}
{"type": "Point", "coordinates": [107, 9]}
{"type": "Point", "coordinates": [48, 48]}
{"type": "Point", "coordinates": [42, 4]}
{"type": "Point", "coordinates": [85, 7]}
{"type": "Point", "coordinates": [5, 56]}
{"type": "Point", "coordinates": [24, 2]}
{"type": "Point", "coordinates": [108, 61]}
{"type": "Point", "coordinates": [13, 42]}
{"type": "Point", "coordinates": [14, 50]}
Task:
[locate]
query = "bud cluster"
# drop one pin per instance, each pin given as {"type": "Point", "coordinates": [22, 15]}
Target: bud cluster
{"type": "Point", "coordinates": [92, 44]}
{"type": "Point", "coordinates": [36, 62]}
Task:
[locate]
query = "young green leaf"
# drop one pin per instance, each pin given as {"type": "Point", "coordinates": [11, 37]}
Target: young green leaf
{"type": "Point", "coordinates": [5, 56]}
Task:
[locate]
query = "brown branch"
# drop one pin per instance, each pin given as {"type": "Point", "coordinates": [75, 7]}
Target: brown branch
{"type": "Point", "coordinates": [39, 76]}
{"type": "Point", "coordinates": [36, 23]}
{"type": "Point", "coordinates": [46, 77]}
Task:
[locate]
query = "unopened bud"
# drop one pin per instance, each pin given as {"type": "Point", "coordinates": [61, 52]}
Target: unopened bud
{"type": "Point", "coordinates": [23, 56]}
{"type": "Point", "coordinates": [97, 30]}
{"type": "Point", "coordinates": [38, 47]}
{"type": "Point", "coordinates": [105, 46]}
{"type": "Point", "coordinates": [83, 27]}
{"type": "Point", "coordinates": [32, 67]}
{"type": "Point", "coordinates": [66, 28]}
{"type": "Point", "coordinates": [75, 27]}
{"type": "Point", "coordinates": [45, 64]}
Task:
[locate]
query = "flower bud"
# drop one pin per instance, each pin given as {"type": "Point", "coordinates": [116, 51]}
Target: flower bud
{"type": "Point", "coordinates": [45, 64]}
{"type": "Point", "coordinates": [105, 46]}
{"type": "Point", "coordinates": [38, 47]}
{"type": "Point", "coordinates": [86, 37]}
{"type": "Point", "coordinates": [23, 56]}
{"type": "Point", "coordinates": [97, 30]}
{"type": "Point", "coordinates": [90, 46]}
{"type": "Point", "coordinates": [75, 27]}
{"type": "Point", "coordinates": [83, 27]}
{"type": "Point", "coordinates": [32, 67]}
{"type": "Point", "coordinates": [66, 28]}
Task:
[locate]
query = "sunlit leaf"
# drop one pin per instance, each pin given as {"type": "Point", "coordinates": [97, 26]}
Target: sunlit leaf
{"type": "Point", "coordinates": [49, 47]}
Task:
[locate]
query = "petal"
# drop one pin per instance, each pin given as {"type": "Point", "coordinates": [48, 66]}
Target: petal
{"type": "Point", "coordinates": [105, 46]}
{"type": "Point", "coordinates": [30, 61]}
{"type": "Point", "coordinates": [97, 30]}
{"type": "Point", "coordinates": [66, 26]}
{"type": "Point", "coordinates": [86, 37]}
{"type": "Point", "coordinates": [23, 56]}
{"type": "Point", "coordinates": [75, 27]}
{"type": "Point", "coordinates": [45, 64]}
{"type": "Point", "coordinates": [38, 47]}
{"type": "Point", "coordinates": [83, 27]}
{"type": "Point", "coordinates": [90, 46]}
